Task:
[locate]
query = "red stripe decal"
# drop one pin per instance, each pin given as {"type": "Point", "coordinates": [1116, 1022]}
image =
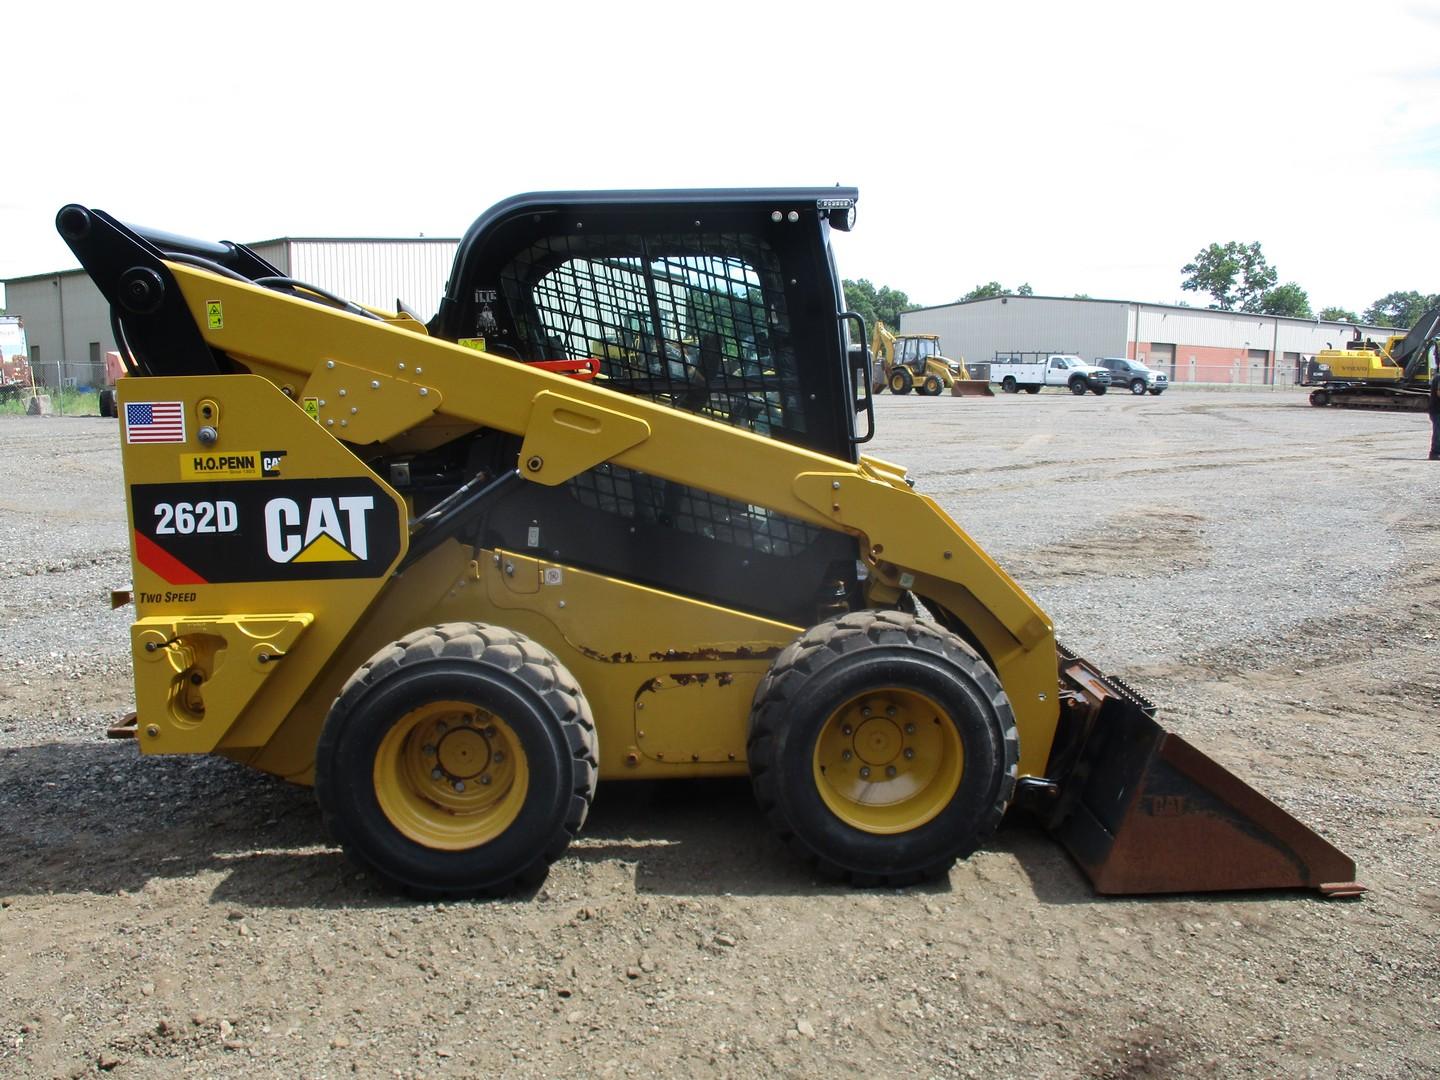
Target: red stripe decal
{"type": "Point", "coordinates": [155, 558]}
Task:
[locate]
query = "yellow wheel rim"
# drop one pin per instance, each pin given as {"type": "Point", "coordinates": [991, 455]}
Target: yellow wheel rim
{"type": "Point", "coordinates": [451, 775]}
{"type": "Point", "coordinates": [888, 761]}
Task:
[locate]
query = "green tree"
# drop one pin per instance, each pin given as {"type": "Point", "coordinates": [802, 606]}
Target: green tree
{"type": "Point", "coordinates": [984, 292]}
{"type": "Point", "coordinates": [1236, 276]}
{"type": "Point", "coordinates": [1337, 314]}
{"type": "Point", "coordinates": [1025, 290]}
{"type": "Point", "coordinates": [883, 303]}
{"type": "Point", "coordinates": [1288, 299]}
{"type": "Point", "coordinates": [1399, 309]}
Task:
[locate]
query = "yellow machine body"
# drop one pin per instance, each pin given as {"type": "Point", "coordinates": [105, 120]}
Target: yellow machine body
{"type": "Point", "coordinates": [1369, 364]}
{"type": "Point", "coordinates": [364, 559]}
{"type": "Point", "coordinates": [670, 679]}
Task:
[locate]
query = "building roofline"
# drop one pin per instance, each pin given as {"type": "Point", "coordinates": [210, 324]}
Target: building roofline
{"type": "Point", "coordinates": [69, 271]}
{"type": "Point", "coordinates": [1310, 320]}
{"type": "Point", "coordinates": [356, 240]}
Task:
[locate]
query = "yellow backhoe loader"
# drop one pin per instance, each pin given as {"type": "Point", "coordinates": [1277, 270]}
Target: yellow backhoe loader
{"type": "Point", "coordinates": [454, 586]}
{"type": "Point", "coordinates": [905, 362]}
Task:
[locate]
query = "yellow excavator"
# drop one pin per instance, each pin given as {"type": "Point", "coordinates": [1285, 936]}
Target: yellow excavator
{"type": "Point", "coordinates": [905, 362]}
{"type": "Point", "coordinates": [455, 583]}
{"type": "Point", "coordinates": [1366, 374]}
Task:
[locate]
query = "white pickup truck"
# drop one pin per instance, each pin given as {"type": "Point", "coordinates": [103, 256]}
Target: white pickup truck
{"type": "Point", "coordinates": [1030, 371]}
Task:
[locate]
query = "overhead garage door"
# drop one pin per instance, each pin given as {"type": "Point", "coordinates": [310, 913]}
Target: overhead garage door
{"type": "Point", "coordinates": [1162, 358]}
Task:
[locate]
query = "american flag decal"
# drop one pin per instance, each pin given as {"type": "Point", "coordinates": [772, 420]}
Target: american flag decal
{"type": "Point", "coordinates": [154, 422]}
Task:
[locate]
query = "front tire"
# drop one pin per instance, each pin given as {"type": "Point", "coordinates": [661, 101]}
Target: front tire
{"type": "Point", "coordinates": [458, 761]}
{"type": "Point", "coordinates": [932, 386]}
{"type": "Point", "coordinates": [882, 748]}
{"type": "Point", "coordinates": [1137, 386]}
{"type": "Point", "coordinates": [1077, 387]}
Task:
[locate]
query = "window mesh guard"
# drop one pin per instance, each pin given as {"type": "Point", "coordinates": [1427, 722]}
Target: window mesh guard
{"type": "Point", "coordinates": [694, 321]}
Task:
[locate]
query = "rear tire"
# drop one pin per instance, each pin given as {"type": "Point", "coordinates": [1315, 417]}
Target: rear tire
{"type": "Point", "coordinates": [1099, 390]}
{"type": "Point", "coordinates": [458, 761]}
{"type": "Point", "coordinates": [107, 403]}
{"type": "Point", "coordinates": [1157, 393]}
{"type": "Point", "coordinates": [1009, 385]}
{"type": "Point", "coordinates": [1032, 389]}
{"type": "Point", "coordinates": [882, 748]}
{"type": "Point", "coordinates": [900, 381]}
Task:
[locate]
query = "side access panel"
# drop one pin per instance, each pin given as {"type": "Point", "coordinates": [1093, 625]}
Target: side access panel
{"type": "Point", "coordinates": [257, 541]}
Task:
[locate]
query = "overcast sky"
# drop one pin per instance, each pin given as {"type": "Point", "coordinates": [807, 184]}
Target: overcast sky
{"type": "Point", "coordinates": [1082, 148]}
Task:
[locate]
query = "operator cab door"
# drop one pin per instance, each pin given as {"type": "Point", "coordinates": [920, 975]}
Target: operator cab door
{"type": "Point", "coordinates": [722, 304]}
{"type": "Point", "coordinates": [909, 355]}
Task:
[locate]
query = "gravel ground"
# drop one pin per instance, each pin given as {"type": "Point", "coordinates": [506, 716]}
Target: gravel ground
{"type": "Point", "coordinates": [1265, 571]}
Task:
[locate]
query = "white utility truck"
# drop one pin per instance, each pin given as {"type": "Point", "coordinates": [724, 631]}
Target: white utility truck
{"type": "Point", "coordinates": [1030, 371]}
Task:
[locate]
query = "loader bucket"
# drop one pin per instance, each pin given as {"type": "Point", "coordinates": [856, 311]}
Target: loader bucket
{"type": "Point", "coordinates": [971, 388]}
{"type": "Point", "coordinates": [1155, 815]}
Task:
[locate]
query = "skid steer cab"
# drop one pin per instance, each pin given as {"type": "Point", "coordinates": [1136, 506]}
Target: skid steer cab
{"type": "Point", "coordinates": [605, 517]}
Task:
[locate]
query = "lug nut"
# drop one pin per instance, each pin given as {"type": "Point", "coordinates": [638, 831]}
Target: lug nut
{"type": "Point", "coordinates": [436, 774]}
{"type": "Point", "coordinates": [441, 725]}
{"type": "Point", "coordinates": [429, 748]}
{"type": "Point", "coordinates": [459, 785]}
{"type": "Point", "coordinates": [889, 710]}
{"type": "Point", "coordinates": [890, 770]}
{"type": "Point", "coordinates": [499, 756]}
{"type": "Point", "coordinates": [864, 772]}
{"type": "Point", "coordinates": [909, 729]}
{"type": "Point", "coordinates": [845, 755]}
{"type": "Point", "coordinates": [485, 780]}
{"type": "Point", "coordinates": [865, 710]}
{"type": "Point", "coordinates": [846, 730]}
{"type": "Point", "coordinates": [909, 752]}
{"type": "Point", "coordinates": [489, 732]}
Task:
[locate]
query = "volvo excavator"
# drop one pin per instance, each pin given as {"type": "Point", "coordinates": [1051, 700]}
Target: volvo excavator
{"type": "Point", "coordinates": [454, 574]}
{"type": "Point", "coordinates": [905, 362]}
{"type": "Point", "coordinates": [1366, 374]}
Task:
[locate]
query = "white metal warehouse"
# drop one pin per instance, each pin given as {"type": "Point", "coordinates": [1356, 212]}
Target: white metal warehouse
{"type": "Point", "coordinates": [67, 321]}
{"type": "Point", "coordinates": [1188, 344]}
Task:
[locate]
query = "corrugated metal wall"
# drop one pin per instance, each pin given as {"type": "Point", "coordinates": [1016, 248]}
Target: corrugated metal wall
{"type": "Point", "coordinates": [981, 328]}
{"type": "Point", "coordinates": [373, 272]}
{"type": "Point", "coordinates": [377, 272]}
{"type": "Point", "coordinates": [276, 253]}
{"type": "Point", "coordinates": [1232, 330]}
{"type": "Point", "coordinates": [61, 350]}
{"type": "Point", "coordinates": [1190, 344]}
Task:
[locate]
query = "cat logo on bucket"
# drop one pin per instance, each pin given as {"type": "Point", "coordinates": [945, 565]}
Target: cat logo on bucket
{"type": "Point", "coordinates": [326, 530]}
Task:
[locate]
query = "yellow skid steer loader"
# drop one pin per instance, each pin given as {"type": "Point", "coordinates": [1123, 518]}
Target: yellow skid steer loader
{"type": "Point", "coordinates": [454, 574]}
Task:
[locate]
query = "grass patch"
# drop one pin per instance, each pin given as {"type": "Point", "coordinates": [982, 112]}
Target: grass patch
{"type": "Point", "coordinates": [62, 403]}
